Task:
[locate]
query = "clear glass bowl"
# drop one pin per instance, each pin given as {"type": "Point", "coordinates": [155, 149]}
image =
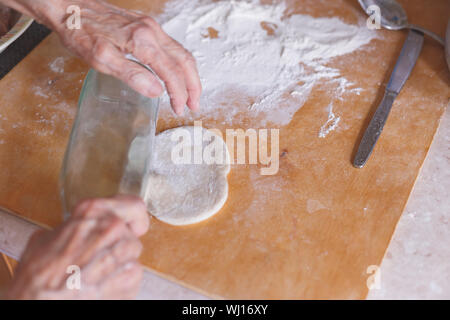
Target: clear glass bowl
{"type": "Point", "coordinates": [109, 150]}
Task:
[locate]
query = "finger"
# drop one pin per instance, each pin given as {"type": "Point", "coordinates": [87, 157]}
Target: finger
{"type": "Point", "coordinates": [109, 230]}
{"type": "Point", "coordinates": [131, 209]}
{"type": "Point", "coordinates": [144, 46]}
{"type": "Point", "coordinates": [123, 284]}
{"type": "Point", "coordinates": [184, 59]}
{"type": "Point", "coordinates": [111, 259]}
{"type": "Point", "coordinates": [109, 60]}
{"type": "Point", "coordinates": [189, 65]}
{"type": "Point", "coordinates": [172, 75]}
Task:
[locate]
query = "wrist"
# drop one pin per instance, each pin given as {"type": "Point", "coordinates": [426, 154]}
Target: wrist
{"type": "Point", "coordinates": [51, 13]}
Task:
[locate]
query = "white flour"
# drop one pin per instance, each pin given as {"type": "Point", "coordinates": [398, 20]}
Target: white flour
{"type": "Point", "coordinates": [57, 65]}
{"type": "Point", "coordinates": [261, 54]}
{"type": "Point", "coordinates": [331, 123]}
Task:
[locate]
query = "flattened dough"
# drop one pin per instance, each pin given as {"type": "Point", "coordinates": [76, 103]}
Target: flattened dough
{"type": "Point", "coordinates": [187, 192]}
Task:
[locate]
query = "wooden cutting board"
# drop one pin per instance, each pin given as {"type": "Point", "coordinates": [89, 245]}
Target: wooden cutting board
{"type": "Point", "coordinates": [310, 231]}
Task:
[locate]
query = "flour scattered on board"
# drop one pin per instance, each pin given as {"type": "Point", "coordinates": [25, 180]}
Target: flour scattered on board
{"type": "Point", "coordinates": [57, 65]}
{"type": "Point", "coordinates": [39, 92]}
{"type": "Point", "coordinates": [331, 124]}
{"type": "Point", "coordinates": [314, 206]}
{"type": "Point", "coordinates": [256, 52]}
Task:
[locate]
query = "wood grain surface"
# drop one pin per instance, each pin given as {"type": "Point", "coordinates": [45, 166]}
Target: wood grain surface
{"type": "Point", "coordinates": [310, 231]}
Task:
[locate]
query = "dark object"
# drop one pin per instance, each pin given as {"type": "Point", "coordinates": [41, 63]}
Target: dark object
{"type": "Point", "coordinates": [8, 17]}
{"type": "Point", "coordinates": [21, 47]}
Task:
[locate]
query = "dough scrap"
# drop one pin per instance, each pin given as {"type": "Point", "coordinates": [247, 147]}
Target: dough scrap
{"type": "Point", "coordinates": [187, 193]}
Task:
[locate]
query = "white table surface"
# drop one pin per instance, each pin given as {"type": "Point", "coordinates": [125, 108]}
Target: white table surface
{"type": "Point", "coordinates": [417, 262]}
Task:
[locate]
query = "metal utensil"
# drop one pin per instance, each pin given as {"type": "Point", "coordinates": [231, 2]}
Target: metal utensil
{"type": "Point", "coordinates": [405, 64]}
{"type": "Point", "coordinates": [393, 17]}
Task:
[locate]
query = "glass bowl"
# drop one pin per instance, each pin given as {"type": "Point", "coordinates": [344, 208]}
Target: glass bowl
{"type": "Point", "coordinates": [109, 150]}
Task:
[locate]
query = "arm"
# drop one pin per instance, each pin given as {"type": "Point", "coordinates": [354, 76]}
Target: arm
{"type": "Point", "coordinates": [108, 33]}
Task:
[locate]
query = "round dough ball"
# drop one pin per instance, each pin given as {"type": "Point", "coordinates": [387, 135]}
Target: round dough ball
{"type": "Point", "coordinates": [188, 180]}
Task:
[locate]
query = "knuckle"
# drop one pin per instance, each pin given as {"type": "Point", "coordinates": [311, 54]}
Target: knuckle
{"type": "Point", "coordinates": [142, 32]}
{"type": "Point", "coordinates": [153, 53]}
{"type": "Point", "coordinates": [195, 89]}
{"type": "Point", "coordinates": [175, 71]}
{"type": "Point", "coordinates": [90, 208]}
{"type": "Point", "coordinates": [150, 22]}
{"type": "Point", "coordinates": [188, 58]}
{"type": "Point", "coordinates": [101, 52]}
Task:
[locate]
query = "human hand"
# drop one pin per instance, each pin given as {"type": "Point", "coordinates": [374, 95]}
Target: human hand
{"type": "Point", "coordinates": [101, 239]}
{"type": "Point", "coordinates": [108, 33]}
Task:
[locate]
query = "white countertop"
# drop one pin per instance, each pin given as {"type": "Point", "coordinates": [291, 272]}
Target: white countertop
{"type": "Point", "coordinates": [417, 262]}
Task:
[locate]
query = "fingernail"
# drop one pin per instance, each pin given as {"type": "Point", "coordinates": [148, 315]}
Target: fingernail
{"type": "Point", "coordinates": [194, 106]}
{"type": "Point", "coordinates": [180, 111]}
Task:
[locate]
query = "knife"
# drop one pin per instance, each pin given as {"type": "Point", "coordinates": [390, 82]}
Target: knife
{"type": "Point", "coordinates": [405, 64]}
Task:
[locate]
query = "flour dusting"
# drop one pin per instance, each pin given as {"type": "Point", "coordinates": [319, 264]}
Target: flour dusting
{"type": "Point", "coordinates": [271, 59]}
{"type": "Point", "coordinates": [331, 123]}
{"type": "Point", "coordinates": [57, 65]}
{"type": "Point", "coordinates": [313, 206]}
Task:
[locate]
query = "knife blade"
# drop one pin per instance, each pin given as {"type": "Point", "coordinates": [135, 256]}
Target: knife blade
{"type": "Point", "coordinates": [403, 68]}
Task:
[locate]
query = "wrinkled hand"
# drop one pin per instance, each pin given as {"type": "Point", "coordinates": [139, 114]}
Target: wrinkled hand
{"type": "Point", "coordinates": [101, 239]}
{"type": "Point", "coordinates": [108, 33]}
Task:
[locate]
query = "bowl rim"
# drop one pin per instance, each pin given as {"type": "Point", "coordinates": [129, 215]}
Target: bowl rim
{"type": "Point", "coordinates": [16, 31]}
